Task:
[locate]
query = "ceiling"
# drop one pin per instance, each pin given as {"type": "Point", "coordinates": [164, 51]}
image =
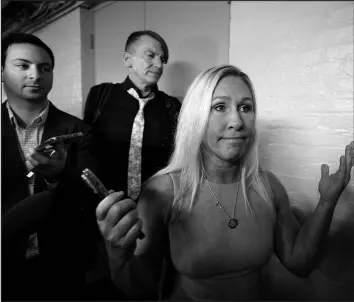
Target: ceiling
{"type": "Point", "coordinates": [23, 15]}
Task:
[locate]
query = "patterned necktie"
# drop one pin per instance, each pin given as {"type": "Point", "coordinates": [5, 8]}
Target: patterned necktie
{"type": "Point", "coordinates": [134, 164]}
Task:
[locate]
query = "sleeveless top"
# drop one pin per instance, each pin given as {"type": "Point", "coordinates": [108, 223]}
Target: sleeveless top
{"type": "Point", "coordinates": [213, 261]}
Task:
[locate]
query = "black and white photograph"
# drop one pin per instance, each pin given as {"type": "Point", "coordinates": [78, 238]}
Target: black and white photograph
{"type": "Point", "coordinates": [177, 150]}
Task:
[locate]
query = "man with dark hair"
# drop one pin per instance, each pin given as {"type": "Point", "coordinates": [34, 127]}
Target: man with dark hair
{"type": "Point", "coordinates": [133, 122]}
{"type": "Point", "coordinates": [44, 264]}
{"type": "Point", "coordinates": [135, 36]}
{"type": "Point", "coordinates": [137, 121]}
{"type": "Point", "coordinates": [23, 38]}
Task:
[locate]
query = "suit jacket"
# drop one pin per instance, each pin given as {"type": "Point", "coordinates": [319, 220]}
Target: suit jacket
{"type": "Point", "coordinates": [59, 224]}
{"type": "Point", "coordinates": [112, 131]}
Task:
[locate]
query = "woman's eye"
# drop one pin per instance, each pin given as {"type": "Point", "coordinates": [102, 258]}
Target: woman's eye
{"type": "Point", "coordinates": [220, 107]}
{"type": "Point", "coordinates": [246, 108]}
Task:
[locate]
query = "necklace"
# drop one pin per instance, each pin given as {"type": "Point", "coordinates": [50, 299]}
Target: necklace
{"type": "Point", "coordinates": [233, 222]}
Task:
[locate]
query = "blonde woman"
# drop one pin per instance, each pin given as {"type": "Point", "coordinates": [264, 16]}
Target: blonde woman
{"type": "Point", "coordinates": [213, 213]}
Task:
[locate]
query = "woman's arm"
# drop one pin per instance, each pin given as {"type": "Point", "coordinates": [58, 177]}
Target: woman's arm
{"type": "Point", "coordinates": [136, 269]}
{"type": "Point", "coordinates": [297, 246]}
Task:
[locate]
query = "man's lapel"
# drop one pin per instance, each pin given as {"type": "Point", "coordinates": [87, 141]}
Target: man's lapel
{"type": "Point", "coordinates": [12, 161]}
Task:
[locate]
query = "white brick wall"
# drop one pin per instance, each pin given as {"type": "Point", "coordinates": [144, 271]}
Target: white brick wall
{"type": "Point", "coordinates": [300, 58]}
{"type": "Point", "coordinates": [73, 72]}
{"type": "Point", "coordinates": [63, 37]}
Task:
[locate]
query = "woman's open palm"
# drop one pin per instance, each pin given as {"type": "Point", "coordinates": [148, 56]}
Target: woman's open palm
{"type": "Point", "coordinates": [331, 186]}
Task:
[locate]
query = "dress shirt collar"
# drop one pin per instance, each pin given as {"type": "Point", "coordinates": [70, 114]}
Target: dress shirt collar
{"type": "Point", "coordinates": [127, 84]}
{"type": "Point", "coordinates": [39, 120]}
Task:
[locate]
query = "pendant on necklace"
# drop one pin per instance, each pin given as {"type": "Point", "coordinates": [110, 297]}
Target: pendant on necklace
{"type": "Point", "coordinates": [233, 223]}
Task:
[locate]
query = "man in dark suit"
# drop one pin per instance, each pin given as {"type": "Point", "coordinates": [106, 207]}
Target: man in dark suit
{"type": "Point", "coordinates": [43, 261]}
{"type": "Point", "coordinates": [134, 132]}
{"type": "Point", "coordinates": [118, 130]}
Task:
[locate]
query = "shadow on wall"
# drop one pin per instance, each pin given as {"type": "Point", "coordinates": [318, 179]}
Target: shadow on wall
{"type": "Point", "coordinates": [264, 128]}
{"type": "Point", "coordinates": [333, 276]}
{"type": "Point", "coordinates": [193, 55]}
{"type": "Point", "coordinates": [179, 75]}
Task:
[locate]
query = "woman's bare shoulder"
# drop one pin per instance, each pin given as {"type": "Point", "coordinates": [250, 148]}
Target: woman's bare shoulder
{"type": "Point", "coordinates": [268, 177]}
{"type": "Point", "coordinates": [160, 184]}
{"type": "Point", "coordinates": [158, 191]}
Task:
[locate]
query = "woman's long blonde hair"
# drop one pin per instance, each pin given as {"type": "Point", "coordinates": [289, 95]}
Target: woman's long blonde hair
{"type": "Point", "coordinates": [192, 124]}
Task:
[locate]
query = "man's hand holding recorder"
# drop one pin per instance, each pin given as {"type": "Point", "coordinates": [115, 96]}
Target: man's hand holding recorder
{"type": "Point", "coordinates": [49, 158]}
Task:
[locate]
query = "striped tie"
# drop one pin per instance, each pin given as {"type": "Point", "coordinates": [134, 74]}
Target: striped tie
{"type": "Point", "coordinates": [134, 164]}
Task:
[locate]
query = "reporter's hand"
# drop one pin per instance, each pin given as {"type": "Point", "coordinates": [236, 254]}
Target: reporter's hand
{"type": "Point", "coordinates": [118, 220]}
{"type": "Point", "coordinates": [49, 166]}
{"type": "Point", "coordinates": [332, 186]}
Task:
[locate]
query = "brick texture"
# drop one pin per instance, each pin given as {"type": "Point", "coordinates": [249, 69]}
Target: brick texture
{"type": "Point", "coordinates": [300, 58]}
{"type": "Point", "coordinates": [64, 37]}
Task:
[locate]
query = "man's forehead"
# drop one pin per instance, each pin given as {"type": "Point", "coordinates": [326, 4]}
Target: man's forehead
{"type": "Point", "coordinates": [28, 52]}
{"type": "Point", "coordinates": [148, 42]}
